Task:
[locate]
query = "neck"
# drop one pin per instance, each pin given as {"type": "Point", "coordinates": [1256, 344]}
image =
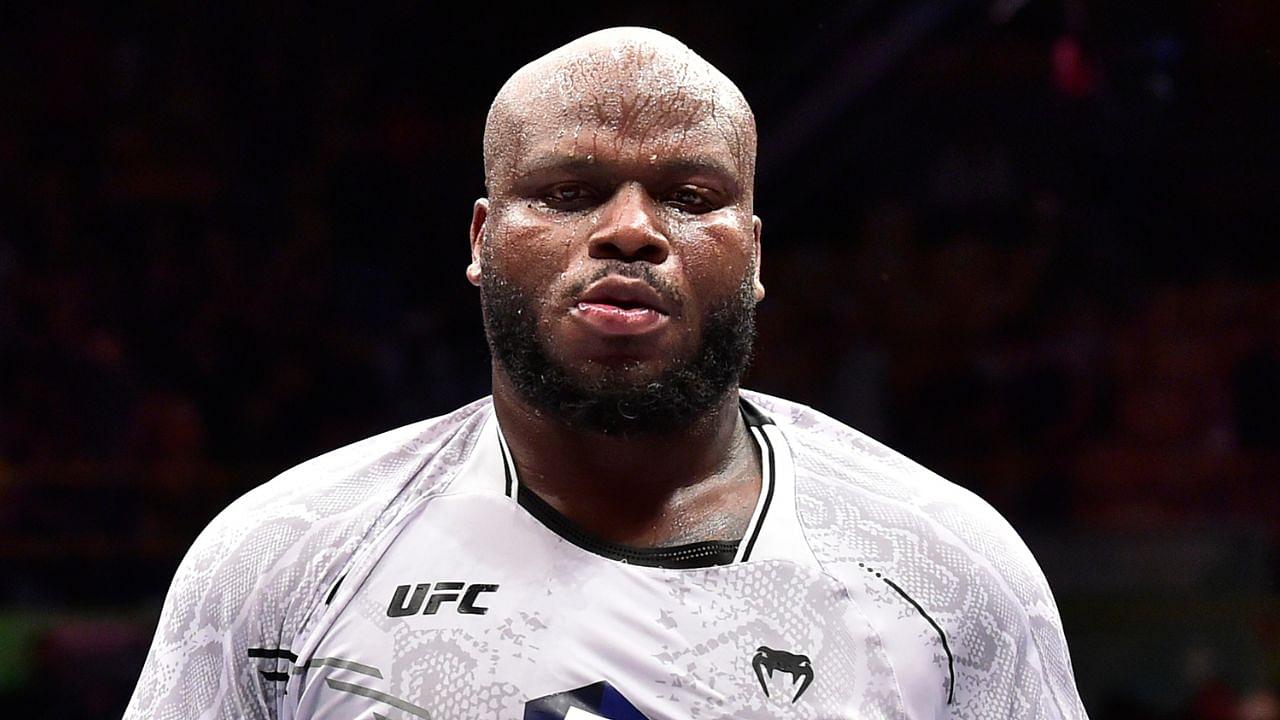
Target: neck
{"type": "Point", "coordinates": [699, 483]}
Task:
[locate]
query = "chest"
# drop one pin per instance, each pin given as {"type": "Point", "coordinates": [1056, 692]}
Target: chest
{"type": "Point", "coordinates": [475, 610]}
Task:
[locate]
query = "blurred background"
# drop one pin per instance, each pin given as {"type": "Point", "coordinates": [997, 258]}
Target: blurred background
{"type": "Point", "coordinates": [1030, 243]}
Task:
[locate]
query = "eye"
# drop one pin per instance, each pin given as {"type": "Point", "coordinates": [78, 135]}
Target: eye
{"type": "Point", "coordinates": [690, 199]}
{"type": "Point", "coordinates": [568, 196]}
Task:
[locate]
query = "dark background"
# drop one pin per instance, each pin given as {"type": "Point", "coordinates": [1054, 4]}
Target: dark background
{"type": "Point", "coordinates": [1031, 244]}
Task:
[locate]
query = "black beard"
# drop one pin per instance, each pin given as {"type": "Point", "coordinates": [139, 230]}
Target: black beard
{"type": "Point", "coordinates": [613, 403]}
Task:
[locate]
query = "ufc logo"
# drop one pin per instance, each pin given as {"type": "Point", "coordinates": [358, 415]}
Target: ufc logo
{"type": "Point", "coordinates": [402, 603]}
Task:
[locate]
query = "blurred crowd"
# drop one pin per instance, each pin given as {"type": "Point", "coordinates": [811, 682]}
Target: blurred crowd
{"type": "Point", "coordinates": [223, 251]}
{"type": "Point", "coordinates": [994, 362]}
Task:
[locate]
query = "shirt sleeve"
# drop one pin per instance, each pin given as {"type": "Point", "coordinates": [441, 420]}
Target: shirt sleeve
{"type": "Point", "coordinates": [1025, 667]}
{"type": "Point", "coordinates": [221, 648]}
{"type": "Point", "coordinates": [240, 603]}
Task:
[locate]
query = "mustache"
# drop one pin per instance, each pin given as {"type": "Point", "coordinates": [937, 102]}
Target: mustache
{"type": "Point", "coordinates": [636, 271]}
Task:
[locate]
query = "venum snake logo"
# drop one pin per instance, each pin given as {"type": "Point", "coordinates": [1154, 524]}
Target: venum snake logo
{"type": "Point", "coordinates": [768, 660]}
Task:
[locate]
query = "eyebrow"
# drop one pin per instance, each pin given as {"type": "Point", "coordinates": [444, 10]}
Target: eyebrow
{"type": "Point", "coordinates": [688, 165]}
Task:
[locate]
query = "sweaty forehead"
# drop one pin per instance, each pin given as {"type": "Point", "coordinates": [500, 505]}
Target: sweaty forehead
{"type": "Point", "coordinates": [638, 90]}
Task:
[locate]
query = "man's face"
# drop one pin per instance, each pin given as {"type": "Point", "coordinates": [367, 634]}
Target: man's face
{"type": "Point", "coordinates": [618, 263]}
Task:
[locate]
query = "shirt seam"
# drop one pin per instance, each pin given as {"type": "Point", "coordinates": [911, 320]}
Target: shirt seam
{"type": "Point", "coordinates": [822, 567]}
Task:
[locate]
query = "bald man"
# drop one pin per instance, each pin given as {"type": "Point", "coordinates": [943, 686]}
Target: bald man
{"type": "Point", "coordinates": [619, 531]}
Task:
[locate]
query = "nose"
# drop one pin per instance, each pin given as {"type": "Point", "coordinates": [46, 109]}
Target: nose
{"type": "Point", "coordinates": [629, 229]}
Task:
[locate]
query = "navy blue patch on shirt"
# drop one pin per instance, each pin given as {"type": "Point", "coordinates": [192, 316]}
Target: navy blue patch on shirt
{"type": "Point", "coordinates": [599, 699]}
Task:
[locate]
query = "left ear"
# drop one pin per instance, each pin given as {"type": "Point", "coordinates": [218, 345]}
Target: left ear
{"type": "Point", "coordinates": [755, 228]}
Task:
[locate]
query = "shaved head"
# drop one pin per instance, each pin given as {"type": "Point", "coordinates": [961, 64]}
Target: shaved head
{"type": "Point", "coordinates": [621, 160]}
{"type": "Point", "coordinates": [629, 80]}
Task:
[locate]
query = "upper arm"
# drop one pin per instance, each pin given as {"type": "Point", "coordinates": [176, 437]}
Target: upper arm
{"type": "Point", "coordinates": [193, 668]}
{"type": "Point", "coordinates": [245, 583]}
{"type": "Point", "coordinates": [1014, 645]}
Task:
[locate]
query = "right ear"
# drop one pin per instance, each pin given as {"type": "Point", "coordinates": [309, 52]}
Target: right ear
{"type": "Point", "coordinates": [479, 214]}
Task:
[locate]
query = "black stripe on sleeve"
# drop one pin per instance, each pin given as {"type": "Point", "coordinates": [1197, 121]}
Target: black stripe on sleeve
{"type": "Point", "coordinates": [279, 653]}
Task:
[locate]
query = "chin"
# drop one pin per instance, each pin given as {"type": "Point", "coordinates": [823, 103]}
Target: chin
{"type": "Point", "coordinates": [613, 373]}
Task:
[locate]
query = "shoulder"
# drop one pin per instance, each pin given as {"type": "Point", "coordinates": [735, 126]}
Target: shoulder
{"type": "Point", "coordinates": [344, 481]}
{"type": "Point", "coordinates": [876, 519]}
{"type": "Point", "coordinates": [839, 466]}
{"type": "Point", "coordinates": [854, 465]}
{"type": "Point", "coordinates": [337, 493]}
{"type": "Point", "coordinates": [253, 576]}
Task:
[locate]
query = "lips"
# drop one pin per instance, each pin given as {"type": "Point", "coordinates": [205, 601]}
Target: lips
{"type": "Point", "coordinates": [625, 293]}
{"type": "Point", "coordinates": [622, 306]}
